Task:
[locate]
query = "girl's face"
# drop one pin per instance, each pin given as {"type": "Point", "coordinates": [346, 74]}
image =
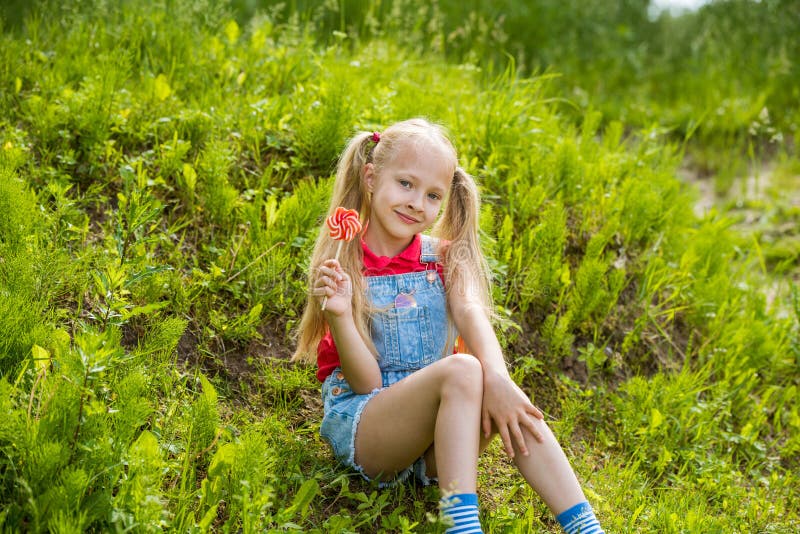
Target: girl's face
{"type": "Point", "coordinates": [406, 196]}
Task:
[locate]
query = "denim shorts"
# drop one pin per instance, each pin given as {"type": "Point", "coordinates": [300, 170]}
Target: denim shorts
{"type": "Point", "coordinates": [343, 410]}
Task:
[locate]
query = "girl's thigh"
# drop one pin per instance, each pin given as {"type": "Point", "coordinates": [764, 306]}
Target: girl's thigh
{"type": "Point", "coordinates": [397, 425]}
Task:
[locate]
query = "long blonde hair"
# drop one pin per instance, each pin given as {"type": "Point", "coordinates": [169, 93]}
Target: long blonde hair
{"type": "Point", "coordinates": [465, 267]}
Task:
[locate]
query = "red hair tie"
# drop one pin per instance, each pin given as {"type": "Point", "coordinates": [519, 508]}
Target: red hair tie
{"type": "Point", "coordinates": [376, 137]}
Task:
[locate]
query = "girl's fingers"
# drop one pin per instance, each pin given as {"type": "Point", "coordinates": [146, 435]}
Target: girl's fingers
{"type": "Point", "coordinates": [486, 423]}
{"type": "Point", "coordinates": [536, 412]}
{"type": "Point", "coordinates": [324, 282]}
{"type": "Point", "coordinates": [520, 439]}
{"type": "Point", "coordinates": [323, 291]}
{"type": "Point", "coordinates": [331, 273]}
{"type": "Point", "coordinates": [333, 265]}
{"type": "Point", "coordinates": [535, 432]}
{"type": "Point", "coordinates": [329, 279]}
{"type": "Point", "coordinates": [503, 430]}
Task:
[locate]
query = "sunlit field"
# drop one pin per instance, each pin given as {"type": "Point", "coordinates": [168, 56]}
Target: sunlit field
{"type": "Point", "coordinates": [165, 167]}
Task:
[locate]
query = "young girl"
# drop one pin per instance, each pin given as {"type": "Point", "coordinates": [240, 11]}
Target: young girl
{"type": "Point", "coordinates": [397, 400]}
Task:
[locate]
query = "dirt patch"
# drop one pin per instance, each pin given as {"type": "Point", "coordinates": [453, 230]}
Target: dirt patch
{"type": "Point", "coordinates": [311, 409]}
{"type": "Point", "coordinates": [275, 342]}
{"type": "Point", "coordinates": [764, 206]}
{"type": "Point", "coordinates": [233, 361]}
{"type": "Point", "coordinates": [187, 349]}
{"type": "Point", "coordinates": [763, 186]}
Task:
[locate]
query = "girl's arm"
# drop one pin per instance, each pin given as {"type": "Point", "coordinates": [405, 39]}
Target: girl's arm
{"type": "Point", "coordinates": [359, 366]}
{"type": "Point", "coordinates": [504, 403]}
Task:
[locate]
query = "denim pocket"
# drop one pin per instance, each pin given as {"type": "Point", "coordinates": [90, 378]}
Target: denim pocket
{"type": "Point", "coordinates": [404, 338]}
{"type": "Point", "coordinates": [333, 389]}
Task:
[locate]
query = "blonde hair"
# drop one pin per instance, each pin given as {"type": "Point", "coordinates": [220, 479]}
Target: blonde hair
{"type": "Point", "coordinates": [465, 267]}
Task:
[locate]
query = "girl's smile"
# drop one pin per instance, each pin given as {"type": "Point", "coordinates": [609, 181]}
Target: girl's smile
{"type": "Point", "coordinates": [406, 218]}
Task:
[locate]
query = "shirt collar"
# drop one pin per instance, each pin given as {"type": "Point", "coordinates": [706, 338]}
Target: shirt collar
{"type": "Point", "coordinates": [411, 253]}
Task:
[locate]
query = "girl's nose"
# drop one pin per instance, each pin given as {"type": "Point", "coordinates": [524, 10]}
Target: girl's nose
{"type": "Point", "coordinates": [415, 203]}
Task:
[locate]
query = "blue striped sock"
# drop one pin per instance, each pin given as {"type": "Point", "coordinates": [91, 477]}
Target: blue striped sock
{"type": "Point", "coordinates": [462, 508]}
{"type": "Point", "coordinates": [580, 519]}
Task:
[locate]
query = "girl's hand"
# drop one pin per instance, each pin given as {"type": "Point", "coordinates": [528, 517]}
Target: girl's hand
{"type": "Point", "coordinates": [505, 404]}
{"type": "Point", "coordinates": [332, 282]}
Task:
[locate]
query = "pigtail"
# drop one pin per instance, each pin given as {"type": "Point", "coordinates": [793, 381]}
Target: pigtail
{"type": "Point", "coordinates": [466, 269]}
{"type": "Point", "coordinates": [348, 192]}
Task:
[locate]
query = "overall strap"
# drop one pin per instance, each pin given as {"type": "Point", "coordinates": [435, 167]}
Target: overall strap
{"type": "Point", "coordinates": [428, 253]}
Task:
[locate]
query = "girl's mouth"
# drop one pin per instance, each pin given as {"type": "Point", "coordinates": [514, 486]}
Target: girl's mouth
{"type": "Point", "coordinates": [406, 219]}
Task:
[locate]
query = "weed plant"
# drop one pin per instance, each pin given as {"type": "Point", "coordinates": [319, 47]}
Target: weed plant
{"type": "Point", "coordinates": [164, 168]}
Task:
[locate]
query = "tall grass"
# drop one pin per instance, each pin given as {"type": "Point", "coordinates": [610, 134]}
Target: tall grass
{"type": "Point", "coordinates": [163, 171]}
{"type": "Point", "coordinates": [709, 73]}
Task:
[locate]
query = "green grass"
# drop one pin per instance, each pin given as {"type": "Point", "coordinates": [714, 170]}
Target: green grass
{"type": "Point", "coordinates": [712, 73]}
{"type": "Point", "coordinates": [163, 173]}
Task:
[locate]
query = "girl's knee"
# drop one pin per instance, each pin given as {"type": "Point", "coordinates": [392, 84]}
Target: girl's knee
{"type": "Point", "coordinates": [463, 374]}
{"type": "Point", "coordinates": [464, 359]}
{"type": "Point", "coordinates": [466, 366]}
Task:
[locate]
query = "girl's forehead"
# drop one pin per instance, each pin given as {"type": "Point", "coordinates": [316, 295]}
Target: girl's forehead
{"type": "Point", "coordinates": [425, 151]}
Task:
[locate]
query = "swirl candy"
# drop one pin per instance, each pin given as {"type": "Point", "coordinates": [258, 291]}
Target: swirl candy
{"type": "Point", "coordinates": [344, 224]}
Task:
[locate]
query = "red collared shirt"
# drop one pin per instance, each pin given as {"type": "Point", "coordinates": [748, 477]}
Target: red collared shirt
{"type": "Point", "coordinates": [374, 265]}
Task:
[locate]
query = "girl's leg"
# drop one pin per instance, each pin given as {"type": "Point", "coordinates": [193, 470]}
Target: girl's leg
{"type": "Point", "coordinates": [546, 468]}
{"type": "Point", "coordinates": [430, 454]}
{"type": "Point", "coordinates": [548, 471]}
{"type": "Point", "coordinates": [440, 403]}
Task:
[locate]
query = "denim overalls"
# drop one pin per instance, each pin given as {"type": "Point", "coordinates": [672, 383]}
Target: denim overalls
{"type": "Point", "coordinates": [410, 330]}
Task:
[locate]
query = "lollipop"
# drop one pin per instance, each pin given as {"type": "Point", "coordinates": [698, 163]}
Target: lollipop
{"type": "Point", "coordinates": [344, 225]}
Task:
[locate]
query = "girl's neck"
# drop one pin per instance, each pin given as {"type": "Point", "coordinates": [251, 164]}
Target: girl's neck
{"type": "Point", "coordinates": [385, 247]}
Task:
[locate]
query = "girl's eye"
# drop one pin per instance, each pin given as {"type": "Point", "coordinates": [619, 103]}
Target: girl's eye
{"type": "Point", "coordinates": [433, 196]}
{"type": "Point", "coordinates": [405, 183]}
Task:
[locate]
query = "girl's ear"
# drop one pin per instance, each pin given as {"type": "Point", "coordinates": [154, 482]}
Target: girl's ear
{"type": "Point", "coordinates": [369, 176]}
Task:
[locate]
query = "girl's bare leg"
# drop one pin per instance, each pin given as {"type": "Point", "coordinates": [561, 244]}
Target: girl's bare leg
{"type": "Point", "coordinates": [440, 403]}
{"type": "Point", "coordinates": [546, 469]}
{"type": "Point", "coordinates": [430, 454]}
